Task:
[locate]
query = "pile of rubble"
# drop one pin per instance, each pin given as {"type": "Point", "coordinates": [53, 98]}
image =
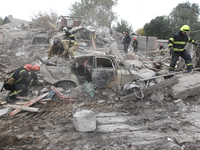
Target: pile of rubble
{"type": "Point", "coordinates": [130, 97]}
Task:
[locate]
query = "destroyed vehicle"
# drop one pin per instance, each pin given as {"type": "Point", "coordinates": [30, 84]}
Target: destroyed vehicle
{"type": "Point", "coordinates": [41, 38]}
{"type": "Point", "coordinates": [101, 70]}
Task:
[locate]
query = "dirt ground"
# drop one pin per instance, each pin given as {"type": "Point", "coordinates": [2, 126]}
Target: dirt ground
{"type": "Point", "coordinates": [145, 124]}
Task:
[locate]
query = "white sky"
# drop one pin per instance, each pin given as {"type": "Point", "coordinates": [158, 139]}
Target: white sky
{"type": "Point", "coordinates": [136, 12]}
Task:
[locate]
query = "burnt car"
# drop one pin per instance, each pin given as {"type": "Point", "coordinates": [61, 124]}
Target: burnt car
{"type": "Point", "coordinates": [101, 70]}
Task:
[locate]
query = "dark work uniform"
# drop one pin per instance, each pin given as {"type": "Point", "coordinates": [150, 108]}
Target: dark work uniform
{"type": "Point", "coordinates": [135, 45]}
{"type": "Point", "coordinates": [178, 42]}
{"type": "Point", "coordinates": [22, 79]}
{"type": "Point", "coordinates": [126, 41]}
{"type": "Point", "coordinates": [34, 78]}
{"type": "Point", "coordinates": [161, 48]}
{"type": "Point", "coordinates": [69, 36]}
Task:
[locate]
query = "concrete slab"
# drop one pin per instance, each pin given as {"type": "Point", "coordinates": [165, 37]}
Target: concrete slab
{"type": "Point", "coordinates": [111, 120]}
{"type": "Point", "coordinates": [188, 85]}
{"type": "Point", "coordinates": [115, 128]}
{"type": "Point", "coordinates": [5, 111]}
{"type": "Point", "coordinates": [112, 114]}
{"type": "Point", "coordinates": [184, 139]}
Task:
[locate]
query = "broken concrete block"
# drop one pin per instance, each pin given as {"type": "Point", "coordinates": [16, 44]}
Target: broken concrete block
{"type": "Point", "coordinates": [5, 111]}
{"type": "Point", "coordinates": [84, 121]}
{"type": "Point", "coordinates": [101, 101]}
{"type": "Point", "coordinates": [184, 139]}
{"type": "Point", "coordinates": [158, 97]}
{"type": "Point", "coordinates": [188, 85]}
{"type": "Point", "coordinates": [44, 90]}
{"type": "Point", "coordinates": [135, 63]}
{"type": "Point", "coordinates": [60, 89]}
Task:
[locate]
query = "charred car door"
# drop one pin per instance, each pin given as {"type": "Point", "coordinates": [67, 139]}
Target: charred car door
{"type": "Point", "coordinates": [104, 71]}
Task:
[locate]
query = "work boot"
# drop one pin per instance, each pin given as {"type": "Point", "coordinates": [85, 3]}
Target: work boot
{"type": "Point", "coordinates": [8, 99]}
{"type": "Point", "coordinates": [190, 70]}
{"type": "Point", "coordinates": [171, 71]}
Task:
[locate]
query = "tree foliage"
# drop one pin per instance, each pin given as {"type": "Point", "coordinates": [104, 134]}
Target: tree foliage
{"type": "Point", "coordinates": [42, 18]}
{"type": "Point", "coordinates": [123, 26]}
{"type": "Point", "coordinates": [163, 27]}
{"type": "Point", "coordinates": [158, 27]}
{"type": "Point", "coordinates": [186, 13]}
{"type": "Point", "coordinates": [140, 31]}
{"type": "Point", "coordinates": [1, 21]}
{"type": "Point", "coordinates": [98, 11]}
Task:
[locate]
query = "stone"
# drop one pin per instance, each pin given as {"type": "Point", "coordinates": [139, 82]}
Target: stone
{"type": "Point", "coordinates": [44, 90]}
{"type": "Point", "coordinates": [84, 121]}
{"type": "Point", "coordinates": [5, 111]}
{"type": "Point", "coordinates": [101, 101]}
{"type": "Point", "coordinates": [188, 85]}
{"type": "Point", "coordinates": [184, 139]}
{"type": "Point", "coordinates": [60, 89]}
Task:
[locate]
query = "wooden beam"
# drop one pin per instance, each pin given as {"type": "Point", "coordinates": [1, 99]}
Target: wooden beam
{"type": "Point", "coordinates": [31, 102]}
{"type": "Point", "coordinates": [31, 109]}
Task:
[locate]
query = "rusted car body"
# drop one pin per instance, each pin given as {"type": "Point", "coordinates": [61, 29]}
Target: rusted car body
{"type": "Point", "coordinates": [101, 70]}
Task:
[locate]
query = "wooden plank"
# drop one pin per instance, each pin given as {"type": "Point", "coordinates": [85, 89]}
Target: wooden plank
{"type": "Point", "coordinates": [29, 103]}
{"type": "Point", "coordinates": [31, 109]}
{"type": "Point", "coordinates": [149, 90]}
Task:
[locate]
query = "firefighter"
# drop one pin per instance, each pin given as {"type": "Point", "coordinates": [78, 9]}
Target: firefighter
{"type": "Point", "coordinates": [68, 34]}
{"type": "Point", "coordinates": [161, 48]}
{"type": "Point", "coordinates": [18, 82]}
{"type": "Point", "coordinates": [177, 44]}
{"type": "Point", "coordinates": [135, 45]}
{"type": "Point", "coordinates": [126, 41]}
{"type": "Point", "coordinates": [69, 47]}
{"type": "Point", "coordinates": [92, 37]}
{"type": "Point", "coordinates": [56, 49]}
{"type": "Point", "coordinates": [34, 73]}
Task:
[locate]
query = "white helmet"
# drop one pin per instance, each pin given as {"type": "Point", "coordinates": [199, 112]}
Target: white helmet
{"type": "Point", "coordinates": [65, 29]}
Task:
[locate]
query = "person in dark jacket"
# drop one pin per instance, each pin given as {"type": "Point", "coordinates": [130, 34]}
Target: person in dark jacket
{"type": "Point", "coordinates": [68, 34]}
{"type": "Point", "coordinates": [18, 82]}
{"type": "Point", "coordinates": [177, 44]}
{"type": "Point", "coordinates": [126, 41]}
{"type": "Point", "coordinates": [135, 45]}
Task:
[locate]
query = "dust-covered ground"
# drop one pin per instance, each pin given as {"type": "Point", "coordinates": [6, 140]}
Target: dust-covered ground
{"type": "Point", "coordinates": [144, 124]}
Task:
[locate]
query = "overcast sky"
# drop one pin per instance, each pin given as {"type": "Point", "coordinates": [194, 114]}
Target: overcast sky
{"type": "Point", "coordinates": [136, 12]}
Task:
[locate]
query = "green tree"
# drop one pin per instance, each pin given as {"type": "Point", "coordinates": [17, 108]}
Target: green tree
{"type": "Point", "coordinates": [186, 13]}
{"type": "Point", "coordinates": [1, 21]}
{"type": "Point", "coordinates": [140, 31]}
{"type": "Point", "coordinates": [158, 27]}
{"type": "Point", "coordinates": [123, 26]}
{"type": "Point", "coordinates": [98, 11]}
{"type": "Point", "coordinates": [42, 19]}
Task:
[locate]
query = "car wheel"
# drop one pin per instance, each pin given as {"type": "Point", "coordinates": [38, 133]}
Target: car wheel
{"type": "Point", "coordinates": [66, 84]}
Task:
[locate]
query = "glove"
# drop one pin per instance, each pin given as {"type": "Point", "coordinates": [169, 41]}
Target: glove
{"type": "Point", "coordinates": [171, 51]}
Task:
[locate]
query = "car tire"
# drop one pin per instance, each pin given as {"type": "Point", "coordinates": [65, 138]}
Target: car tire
{"type": "Point", "coordinates": [65, 84]}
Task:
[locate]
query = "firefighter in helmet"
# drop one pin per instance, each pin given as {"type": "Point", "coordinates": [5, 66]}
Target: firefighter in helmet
{"type": "Point", "coordinates": [18, 82]}
{"type": "Point", "coordinates": [177, 48]}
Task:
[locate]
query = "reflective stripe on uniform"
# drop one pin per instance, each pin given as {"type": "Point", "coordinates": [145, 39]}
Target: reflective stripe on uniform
{"type": "Point", "coordinates": [171, 68]}
{"type": "Point", "coordinates": [189, 64]}
{"type": "Point", "coordinates": [19, 79]}
{"type": "Point", "coordinates": [178, 50]}
{"type": "Point", "coordinates": [180, 42]}
{"type": "Point", "coordinates": [15, 93]}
